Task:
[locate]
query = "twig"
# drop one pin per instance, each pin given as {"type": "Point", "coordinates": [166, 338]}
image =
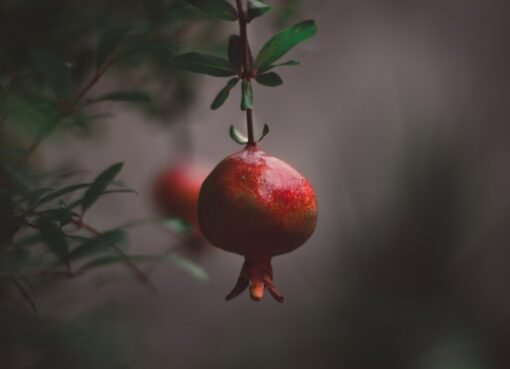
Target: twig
{"type": "Point", "coordinates": [140, 274]}
{"type": "Point", "coordinates": [68, 108]}
{"type": "Point", "coordinates": [247, 67]}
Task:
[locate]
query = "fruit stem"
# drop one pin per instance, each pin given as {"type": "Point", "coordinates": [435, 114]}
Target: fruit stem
{"type": "Point", "coordinates": [247, 67]}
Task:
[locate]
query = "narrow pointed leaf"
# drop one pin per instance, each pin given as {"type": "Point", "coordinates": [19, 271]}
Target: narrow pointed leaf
{"type": "Point", "coordinates": [61, 215]}
{"type": "Point", "coordinates": [247, 95]}
{"type": "Point", "coordinates": [220, 9]}
{"type": "Point", "coordinates": [54, 238]}
{"type": "Point", "coordinates": [109, 42]}
{"type": "Point", "coordinates": [178, 225]}
{"type": "Point", "coordinates": [270, 79]}
{"type": "Point", "coordinates": [173, 259]}
{"type": "Point", "coordinates": [269, 67]}
{"type": "Point", "coordinates": [99, 185]}
{"type": "Point", "coordinates": [188, 266]}
{"type": "Point", "coordinates": [235, 53]}
{"type": "Point", "coordinates": [122, 190]}
{"type": "Point", "coordinates": [256, 8]}
{"type": "Point", "coordinates": [265, 131]}
{"type": "Point", "coordinates": [283, 41]}
{"type": "Point", "coordinates": [62, 192]}
{"type": "Point", "coordinates": [237, 136]}
{"type": "Point", "coordinates": [224, 94]}
{"type": "Point", "coordinates": [131, 96]}
{"type": "Point", "coordinates": [203, 64]}
{"type": "Point", "coordinates": [102, 243]}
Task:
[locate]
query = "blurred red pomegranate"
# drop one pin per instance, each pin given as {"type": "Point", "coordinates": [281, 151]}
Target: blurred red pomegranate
{"type": "Point", "coordinates": [258, 206]}
{"type": "Point", "coordinates": [176, 190]}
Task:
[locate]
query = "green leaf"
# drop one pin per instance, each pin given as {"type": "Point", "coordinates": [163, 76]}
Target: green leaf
{"type": "Point", "coordinates": [256, 8]}
{"type": "Point", "coordinates": [237, 136]}
{"type": "Point", "coordinates": [54, 238]}
{"type": "Point", "coordinates": [61, 215]}
{"type": "Point", "coordinates": [122, 190]}
{"type": "Point", "coordinates": [265, 131]}
{"type": "Point", "coordinates": [270, 79]}
{"type": "Point", "coordinates": [131, 96]}
{"type": "Point", "coordinates": [283, 41]}
{"type": "Point", "coordinates": [178, 225]}
{"type": "Point", "coordinates": [109, 42]}
{"type": "Point", "coordinates": [188, 266]}
{"type": "Point", "coordinates": [101, 243]}
{"type": "Point", "coordinates": [32, 196]}
{"type": "Point", "coordinates": [235, 52]}
{"type": "Point", "coordinates": [54, 71]}
{"type": "Point", "coordinates": [204, 64]}
{"type": "Point", "coordinates": [77, 238]}
{"type": "Point", "coordinates": [99, 185]}
{"type": "Point", "coordinates": [173, 259]}
{"type": "Point", "coordinates": [269, 67]}
{"type": "Point", "coordinates": [220, 9]}
{"type": "Point", "coordinates": [247, 95]}
{"type": "Point", "coordinates": [224, 94]}
{"type": "Point", "coordinates": [62, 192]}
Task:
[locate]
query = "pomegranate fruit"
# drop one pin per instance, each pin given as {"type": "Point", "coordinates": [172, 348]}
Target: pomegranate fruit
{"type": "Point", "coordinates": [176, 190]}
{"type": "Point", "coordinates": [258, 206]}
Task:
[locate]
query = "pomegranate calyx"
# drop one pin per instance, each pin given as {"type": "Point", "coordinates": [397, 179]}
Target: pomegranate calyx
{"type": "Point", "coordinates": [257, 276]}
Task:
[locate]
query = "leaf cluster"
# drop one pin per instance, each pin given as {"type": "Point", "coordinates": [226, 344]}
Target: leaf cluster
{"type": "Point", "coordinates": [266, 60]}
{"type": "Point", "coordinates": [43, 233]}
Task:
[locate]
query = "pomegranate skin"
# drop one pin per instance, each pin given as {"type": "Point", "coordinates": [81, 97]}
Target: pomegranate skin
{"type": "Point", "coordinates": [258, 206]}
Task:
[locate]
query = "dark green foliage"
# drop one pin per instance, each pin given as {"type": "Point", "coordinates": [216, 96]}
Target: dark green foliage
{"type": "Point", "coordinates": [52, 67]}
{"type": "Point", "coordinates": [283, 41]}
{"type": "Point", "coordinates": [265, 131]}
{"type": "Point", "coordinates": [247, 95]}
{"type": "Point", "coordinates": [203, 64]}
{"type": "Point", "coordinates": [101, 244]}
{"type": "Point", "coordinates": [270, 79]}
{"type": "Point", "coordinates": [54, 238]}
{"type": "Point", "coordinates": [269, 67]}
{"type": "Point", "coordinates": [173, 259]}
{"type": "Point", "coordinates": [237, 136]}
{"type": "Point", "coordinates": [128, 96]}
{"type": "Point", "coordinates": [46, 84]}
{"type": "Point", "coordinates": [224, 93]}
{"type": "Point", "coordinates": [257, 8]}
{"type": "Point", "coordinates": [179, 226]}
{"type": "Point", "coordinates": [99, 185]}
{"type": "Point", "coordinates": [220, 9]}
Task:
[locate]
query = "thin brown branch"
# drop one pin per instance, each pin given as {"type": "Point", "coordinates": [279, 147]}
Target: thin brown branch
{"type": "Point", "coordinates": [68, 108]}
{"type": "Point", "coordinates": [247, 67]}
{"type": "Point", "coordinates": [140, 274]}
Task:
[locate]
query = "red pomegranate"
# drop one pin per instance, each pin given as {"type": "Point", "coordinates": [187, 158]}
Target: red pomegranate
{"type": "Point", "coordinates": [176, 190]}
{"type": "Point", "coordinates": [258, 206]}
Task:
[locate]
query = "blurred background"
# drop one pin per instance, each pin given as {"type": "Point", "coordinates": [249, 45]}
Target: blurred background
{"type": "Point", "coordinates": [398, 116]}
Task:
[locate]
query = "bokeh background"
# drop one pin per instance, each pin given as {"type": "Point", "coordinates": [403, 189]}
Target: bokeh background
{"type": "Point", "coordinates": [398, 116]}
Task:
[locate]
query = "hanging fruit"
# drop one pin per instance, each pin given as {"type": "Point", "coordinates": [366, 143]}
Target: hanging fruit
{"type": "Point", "coordinates": [252, 204]}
